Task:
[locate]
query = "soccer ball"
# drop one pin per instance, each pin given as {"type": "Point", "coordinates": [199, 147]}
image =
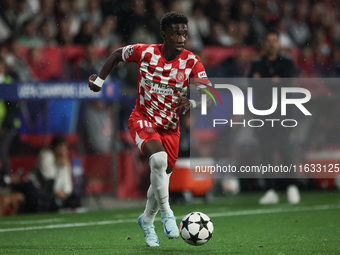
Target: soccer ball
{"type": "Point", "coordinates": [196, 228]}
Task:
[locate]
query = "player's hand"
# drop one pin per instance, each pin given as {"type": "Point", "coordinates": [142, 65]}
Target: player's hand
{"type": "Point", "coordinates": [183, 101]}
{"type": "Point", "coordinates": [92, 86]}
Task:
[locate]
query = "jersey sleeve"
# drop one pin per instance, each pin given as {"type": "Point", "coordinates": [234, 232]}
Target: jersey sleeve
{"type": "Point", "coordinates": [199, 76]}
{"type": "Point", "coordinates": [132, 53]}
{"type": "Point", "coordinates": [198, 71]}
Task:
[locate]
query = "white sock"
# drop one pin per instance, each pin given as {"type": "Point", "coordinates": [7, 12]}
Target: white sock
{"type": "Point", "coordinates": [159, 180]}
{"type": "Point", "coordinates": [151, 207]}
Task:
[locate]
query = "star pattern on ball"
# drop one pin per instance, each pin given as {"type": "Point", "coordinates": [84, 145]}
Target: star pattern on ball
{"type": "Point", "coordinates": [185, 224]}
{"type": "Point", "coordinates": [203, 223]}
{"type": "Point", "coordinates": [194, 238]}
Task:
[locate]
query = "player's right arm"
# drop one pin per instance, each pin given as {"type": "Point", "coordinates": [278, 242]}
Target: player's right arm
{"type": "Point", "coordinates": [96, 82]}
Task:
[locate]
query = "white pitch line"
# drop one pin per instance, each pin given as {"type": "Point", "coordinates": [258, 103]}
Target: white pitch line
{"type": "Point", "coordinates": [26, 222]}
{"type": "Point", "coordinates": [69, 225]}
{"type": "Point", "coordinates": [273, 210]}
{"type": "Point", "coordinates": [211, 215]}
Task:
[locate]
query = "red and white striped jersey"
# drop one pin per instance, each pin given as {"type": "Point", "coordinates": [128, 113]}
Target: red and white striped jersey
{"type": "Point", "coordinates": [160, 82]}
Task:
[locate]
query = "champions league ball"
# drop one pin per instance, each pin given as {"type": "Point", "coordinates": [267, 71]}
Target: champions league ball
{"type": "Point", "coordinates": [196, 228]}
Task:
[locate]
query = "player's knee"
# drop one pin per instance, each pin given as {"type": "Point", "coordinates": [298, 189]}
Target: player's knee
{"type": "Point", "coordinates": [159, 161]}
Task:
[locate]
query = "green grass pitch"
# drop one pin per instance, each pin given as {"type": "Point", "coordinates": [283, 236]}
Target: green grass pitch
{"type": "Point", "coordinates": [241, 227]}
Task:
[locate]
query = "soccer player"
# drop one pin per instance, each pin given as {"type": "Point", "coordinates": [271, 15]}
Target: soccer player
{"type": "Point", "coordinates": [164, 71]}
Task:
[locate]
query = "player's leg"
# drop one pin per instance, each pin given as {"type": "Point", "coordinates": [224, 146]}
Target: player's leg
{"type": "Point", "coordinates": [158, 160]}
{"type": "Point", "coordinates": [170, 142]}
{"type": "Point", "coordinates": [149, 141]}
{"type": "Point", "coordinates": [146, 220]}
{"type": "Point", "coordinates": [152, 208]}
{"type": "Point", "coordinates": [141, 132]}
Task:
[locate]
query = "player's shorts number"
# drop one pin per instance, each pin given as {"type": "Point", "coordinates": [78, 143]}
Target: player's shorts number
{"type": "Point", "coordinates": [146, 123]}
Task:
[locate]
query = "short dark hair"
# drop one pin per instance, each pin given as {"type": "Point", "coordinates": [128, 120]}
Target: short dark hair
{"type": "Point", "coordinates": [171, 18]}
{"type": "Point", "coordinates": [272, 32]}
{"type": "Point", "coordinates": [57, 141]}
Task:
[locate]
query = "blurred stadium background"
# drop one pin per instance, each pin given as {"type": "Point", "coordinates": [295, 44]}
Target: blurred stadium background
{"type": "Point", "coordinates": [61, 42]}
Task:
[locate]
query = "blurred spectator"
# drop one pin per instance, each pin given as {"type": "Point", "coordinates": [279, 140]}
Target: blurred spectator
{"type": "Point", "coordinates": [199, 27]}
{"type": "Point", "coordinates": [93, 13]}
{"type": "Point", "coordinates": [33, 6]}
{"type": "Point", "coordinates": [242, 10]}
{"type": "Point", "coordinates": [242, 35]}
{"type": "Point", "coordinates": [29, 36]}
{"type": "Point", "coordinates": [74, 14]}
{"type": "Point", "coordinates": [258, 24]}
{"type": "Point", "coordinates": [89, 64]}
{"type": "Point", "coordinates": [16, 63]}
{"type": "Point", "coordinates": [286, 40]}
{"type": "Point", "coordinates": [47, 8]}
{"type": "Point", "coordinates": [9, 122]}
{"type": "Point", "coordinates": [10, 201]}
{"type": "Point", "coordinates": [86, 33]}
{"type": "Point", "coordinates": [228, 37]}
{"type": "Point", "coordinates": [53, 176]}
{"type": "Point", "coordinates": [7, 16]}
{"type": "Point", "coordinates": [217, 35]}
{"type": "Point", "coordinates": [98, 126]}
{"type": "Point", "coordinates": [46, 33]}
{"type": "Point", "coordinates": [46, 12]}
{"type": "Point", "coordinates": [7, 20]}
{"type": "Point", "coordinates": [306, 61]}
{"type": "Point", "coordinates": [64, 35]}
{"type": "Point", "coordinates": [5, 76]}
{"type": "Point", "coordinates": [22, 193]}
{"type": "Point", "coordinates": [36, 63]}
{"type": "Point", "coordinates": [155, 12]}
{"type": "Point", "coordinates": [273, 138]}
{"type": "Point", "coordinates": [3, 52]}
{"type": "Point", "coordinates": [235, 66]}
{"type": "Point", "coordinates": [62, 8]}
{"type": "Point", "coordinates": [298, 26]}
{"type": "Point", "coordinates": [107, 35]}
{"type": "Point", "coordinates": [22, 14]}
{"type": "Point", "coordinates": [139, 32]}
